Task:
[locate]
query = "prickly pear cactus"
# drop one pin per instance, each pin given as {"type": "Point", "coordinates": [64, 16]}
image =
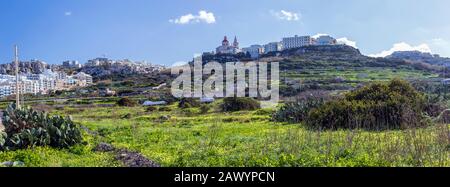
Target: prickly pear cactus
{"type": "Point", "coordinates": [26, 128]}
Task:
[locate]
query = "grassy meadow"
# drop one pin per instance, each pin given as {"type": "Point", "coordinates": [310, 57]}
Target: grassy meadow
{"type": "Point", "coordinates": [175, 137]}
{"type": "Point", "coordinates": [184, 137]}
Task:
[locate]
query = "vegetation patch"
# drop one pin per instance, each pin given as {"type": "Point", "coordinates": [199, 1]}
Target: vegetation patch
{"type": "Point", "coordinates": [296, 112]}
{"type": "Point", "coordinates": [127, 102]}
{"type": "Point", "coordinates": [379, 106]}
{"type": "Point", "coordinates": [25, 128]}
{"type": "Point", "coordinates": [233, 104]}
{"type": "Point", "coordinates": [188, 103]}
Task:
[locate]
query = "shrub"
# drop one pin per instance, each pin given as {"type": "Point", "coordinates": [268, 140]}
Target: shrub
{"type": "Point", "coordinates": [188, 112]}
{"type": "Point", "coordinates": [127, 116]}
{"type": "Point", "coordinates": [151, 109]}
{"type": "Point", "coordinates": [167, 97]}
{"type": "Point", "coordinates": [26, 128]}
{"type": "Point", "coordinates": [296, 112]}
{"type": "Point", "coordinates": [125, 92]}
{"type": "Point", "coordinates": [164, 109]}
{"type": "Point", "coordinates": [204, 109]}
{"type": "Point", "coordinates": [443, 118]}
{"type": "Point", "coordinates": [126, 102]}
{"type": "Point", "coordinates": [188, 103]}
{"type": "Point", "coordinates": [233, 104]}
{"type": "Point", "coordinates": [395, 105]}
{"type": "Point", "coordinates": [264, 112]}
{"type": "Point", "coordinates": [434, 109]}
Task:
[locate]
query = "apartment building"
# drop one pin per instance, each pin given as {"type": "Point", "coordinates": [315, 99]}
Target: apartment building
{"type": "Point", "coordinates": [42, 83]}
{"type": "Point", "coordinates": [255, 51]}
{"type": "Point", "coordinates": [273, 47]}
{"type": "Point", "coordinates": [297, 41]}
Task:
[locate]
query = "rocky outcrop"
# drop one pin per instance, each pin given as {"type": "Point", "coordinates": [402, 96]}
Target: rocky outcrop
{"type": "Point", "coordinates": [128, 158]}
{"type": "Point", "coordinates": [34, 67]}
{"type": "Point", "coordinates": [338, 56]}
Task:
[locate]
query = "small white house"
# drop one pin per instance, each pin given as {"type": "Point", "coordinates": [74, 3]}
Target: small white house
{"type": "Point", "coordinates": [154, 103]}
{"type": "Point", "coordinates": [160, 86]}
{"type": "Point", "coordinates": [207, 100]}
{"type": "Point", "coordinates": [446, 81]}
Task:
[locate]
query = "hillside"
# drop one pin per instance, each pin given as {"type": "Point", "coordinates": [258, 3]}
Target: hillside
{"type": "Point", "coordinates": [34, 66]}
{"type": "Point", "coordinates": [418, 56]}
{"type": "Point", "coordinates": [324, 56]}
{"type": "Point", "coordinates": [338, 56]}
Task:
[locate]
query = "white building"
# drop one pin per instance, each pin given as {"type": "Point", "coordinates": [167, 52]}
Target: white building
{"type": "Point", "coordinates": [297, 41]}
{"type": "Point", "coordinates": [87, 79]}
{"type": "Point", "coordinates": [99, 62]}
{"type": "Point", "coordinates": [226, 48]}
{"type": "Point", "coordinates": [42, 83]}
{"type": "Point", "coordinates": [45, 81]}
{"type": "Point", "coordinates": [71, 64]}
{"type": "Point", "coordinates": [325, 40]}
{"type": "Point", "coordinates": [5, 89]}
{"type": "Point", "coordinates": [273, 47]}
{"type": "Point", "coordinates": [25, 87]}
{"type": "Point", "coordinates": [255, 51]}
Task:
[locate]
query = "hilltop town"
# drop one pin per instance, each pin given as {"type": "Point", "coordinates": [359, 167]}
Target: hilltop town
{"type": "Point", "coordinates": [294, 53]}
{"type": "Point", "coordinates": [38, 77]}
{"type": "Point", "coordinates": [255, 51]}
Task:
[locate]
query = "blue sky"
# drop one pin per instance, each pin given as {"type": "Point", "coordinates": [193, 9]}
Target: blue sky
{"type": "Point", "coordinates": [165, 32]}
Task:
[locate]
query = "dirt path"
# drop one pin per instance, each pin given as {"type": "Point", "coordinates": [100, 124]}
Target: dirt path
{"type": "Point", "coordinates": [126, 157]}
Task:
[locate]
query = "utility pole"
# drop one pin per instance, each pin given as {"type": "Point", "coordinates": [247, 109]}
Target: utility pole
{"type": "Point", "coordinates": [16, 61]}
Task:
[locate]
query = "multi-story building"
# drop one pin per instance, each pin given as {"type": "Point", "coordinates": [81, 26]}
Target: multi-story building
{"type": "Point", "coordinates": [98, 62]}
{"type": "Point", "coordinates": [297, 41]}
{"type": "Point", "coordinates": [83, 77]}
{"type": "Point", "coordinates": [42, 83]}
{"type": "Point", "coordinates": [325, 40]}
{"type": "Point", "coordinates": [71, 64]}
{"type": "Point", "coordinates": [61, 75]}
{"type": "Point", "coordinates": [25, 87]}
{"type": "Point", "coordinates": [46, 81]}
{"type": "Point", "coordinates": [5, 89]}
{"type": "Point", "coordinates": [120, 66]}
{"type": "Point", "coordinates": [273, 47]}
{"type": "Point", "coordinates": [255, 51]}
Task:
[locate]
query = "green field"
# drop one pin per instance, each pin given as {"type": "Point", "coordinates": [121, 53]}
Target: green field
{"type": "Point", "coordinates": [235, 139]}
{"type": "Point", "coordinates": [357, 74]}
{"type": "Point", "coordinates": [176, 137]}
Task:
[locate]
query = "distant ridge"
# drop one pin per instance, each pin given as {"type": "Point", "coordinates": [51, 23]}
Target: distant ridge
{"type": "Point", "coordinates": [420, 57]}
{"type": "Point", "coordinates": [340, 56]}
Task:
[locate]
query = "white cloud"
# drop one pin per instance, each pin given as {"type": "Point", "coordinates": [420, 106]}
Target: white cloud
{"type": "Point", "coordinates": [286, 15]}
{"type": "Point", "coordinates": [343, 40]}
{"type": "Point", "coordinates": [346, 41]}
{"type": "Point", "coordinates": [319, 35]}
{"type": "Point", "coordinates": [402, 46]}
{"type": "Point", "coordinates": [68, 13]}
{"type": "Point", "coordinates": [203, 16]}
